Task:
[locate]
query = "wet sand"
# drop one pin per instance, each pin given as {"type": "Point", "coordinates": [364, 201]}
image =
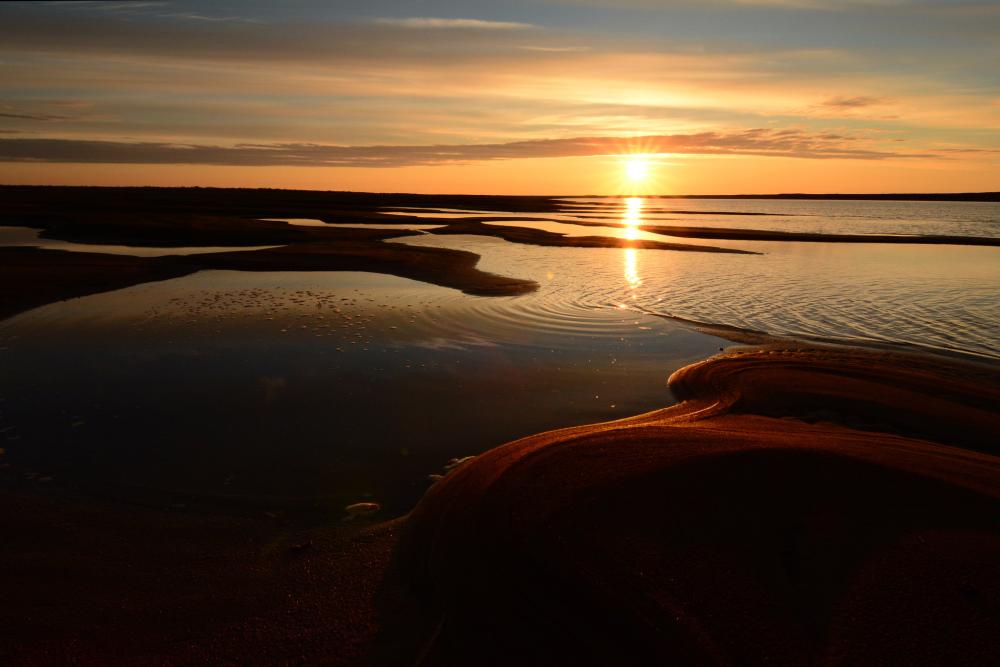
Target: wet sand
{"type": "Point", "coordinates": [802, 506]}
{"type": "Point", "coordinates": [54, 275]}
{"type": "Point", "coordinates": [92, 583]}
{"type": "Point", "coordinates": [554, 239]}
{"type": "Point", "coordinates": [165, 217]}
{"type": "Point", "coordinates": [176, 217]}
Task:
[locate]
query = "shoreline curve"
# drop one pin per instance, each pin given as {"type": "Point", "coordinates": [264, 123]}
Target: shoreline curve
{"type": "Point", "coordinates": [800, 506]}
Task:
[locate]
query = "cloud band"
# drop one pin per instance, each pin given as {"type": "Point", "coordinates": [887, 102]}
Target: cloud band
{"type": "Point", "coordinates": [759, 142]}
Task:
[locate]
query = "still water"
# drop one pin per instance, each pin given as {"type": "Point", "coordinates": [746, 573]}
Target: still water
{"type": "Point", "coordinates": [811, 216]}
{"type": "Point", "coordinates": [933, 298]}
{"type": "Point", "coordinates": [298, 393]}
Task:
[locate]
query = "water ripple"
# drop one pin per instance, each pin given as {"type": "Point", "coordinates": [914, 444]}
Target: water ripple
{"type": "Point", "coordinates": [942, 298]}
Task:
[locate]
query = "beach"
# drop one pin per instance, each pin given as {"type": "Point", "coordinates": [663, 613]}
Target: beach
{"type": "Point", "coordinates": [737, 526]}
{"type": "Point", "coordinates": [451, 333]}
{"type": "Point", "coordinates": [185, 433]}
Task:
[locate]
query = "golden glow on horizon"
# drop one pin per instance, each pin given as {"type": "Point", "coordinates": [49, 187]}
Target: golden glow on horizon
{"type": "Point", "coordinates": [638, 166]}
{"type": "Point", "coordinates": [579, 175]}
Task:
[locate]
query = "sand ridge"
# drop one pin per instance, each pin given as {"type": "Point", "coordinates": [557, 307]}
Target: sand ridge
{"type": "Point", "coordinates": [702, 533]}
{"type": "Point", "coordinates": [708, 533]}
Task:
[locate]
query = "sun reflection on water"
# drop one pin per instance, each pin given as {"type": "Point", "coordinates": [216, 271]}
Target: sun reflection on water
{"type": "Point", "coordinates": [632, 269]}
{"type": "Point", "coordinates": [632, 218]}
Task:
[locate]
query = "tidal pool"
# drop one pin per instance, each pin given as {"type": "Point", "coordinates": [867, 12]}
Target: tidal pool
{"type": "Point", "coordinates": [304, 392]}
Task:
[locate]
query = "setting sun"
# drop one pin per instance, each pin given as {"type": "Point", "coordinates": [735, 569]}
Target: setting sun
{"type": "Point", "coordinates": [636, 169]}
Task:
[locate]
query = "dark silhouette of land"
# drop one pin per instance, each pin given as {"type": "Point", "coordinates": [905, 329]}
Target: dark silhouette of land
{"type": "Point", "coordinates": [838, 196]}
{"type": "Point", "coordinates": [175, 217]}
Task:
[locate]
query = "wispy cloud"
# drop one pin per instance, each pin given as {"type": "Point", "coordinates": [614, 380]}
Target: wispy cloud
{"type": "Point", "coordinates": [190, 16]}
{"type": "Point", "coordinates": [449, 24]}
{"type": "Point", "coordinates": [107, 5]}
{"type": "Point", "coordinates": [758, 141]}
{"type": "Point", "coordinates": [33, 116]}
{"type": "Point", "coordinates": [328, 84]}
{"type": "Point", "coordinates": [555, 49]}
{"type": "Point", "coordinates": [824, 5]}
{"type": "Point", "coordinates": [852, 102]}
{"type": "Point", "coordinates": [828, 5]}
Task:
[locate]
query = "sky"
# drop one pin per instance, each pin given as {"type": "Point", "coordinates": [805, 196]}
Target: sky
{"type": "Point", "coordinates": [511, 97]}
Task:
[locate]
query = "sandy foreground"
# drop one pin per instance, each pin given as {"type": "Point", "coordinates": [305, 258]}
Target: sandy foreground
{"type": "Point", "coordinates": [801, 506]}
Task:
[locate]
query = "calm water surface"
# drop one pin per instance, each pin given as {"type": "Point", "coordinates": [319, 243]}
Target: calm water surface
{"type": "Point", "coordinates": [935, 298]}
{"type": "Point", "coordinates": [275, 393]}
{"type": "Point", "coordinates": [827, 217]}
{"type": "Point", "coordinates": [303, 392]}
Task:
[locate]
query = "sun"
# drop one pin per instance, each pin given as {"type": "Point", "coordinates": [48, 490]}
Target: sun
{"type": "Point", "coordinates": [636, 169]}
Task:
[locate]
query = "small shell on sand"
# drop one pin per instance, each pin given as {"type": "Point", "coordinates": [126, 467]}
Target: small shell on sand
{"type": "Point", "coordinates": [454, 463]}
{"type": "Point", "coordinates": [362, 509]}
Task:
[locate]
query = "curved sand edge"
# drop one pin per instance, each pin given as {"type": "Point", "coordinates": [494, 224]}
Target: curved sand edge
{"type": "Point", "coordinates": [710, 533]}
{"type": "Point", "coordinates": [58, 274]}
{"type": "Point", "coordinates": [688, 535]}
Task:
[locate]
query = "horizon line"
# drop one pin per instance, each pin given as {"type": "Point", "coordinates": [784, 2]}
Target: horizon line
{"type": "Point", "coordinates": [982, 196]}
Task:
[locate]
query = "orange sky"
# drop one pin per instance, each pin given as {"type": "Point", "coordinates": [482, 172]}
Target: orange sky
{"type": "Point", "coordinates": [677, 175]}
{"type": "Point", "coordinates": [728, 96]}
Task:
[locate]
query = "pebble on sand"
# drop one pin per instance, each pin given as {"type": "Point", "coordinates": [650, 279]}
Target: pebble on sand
{"type": "Point", "coordinates": [358, 510]}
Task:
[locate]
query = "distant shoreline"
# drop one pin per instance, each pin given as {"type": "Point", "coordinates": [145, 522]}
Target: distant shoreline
{"type": "Point", "coordinates": [929, 196]}
{"type": "Point", "coordinates": [912, 196]}
{"type": "Point", "coordinates": [181, 217]}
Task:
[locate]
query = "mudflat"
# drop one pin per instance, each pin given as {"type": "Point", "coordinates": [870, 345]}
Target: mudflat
{"type": "Point", "coordinates": [800, 506]}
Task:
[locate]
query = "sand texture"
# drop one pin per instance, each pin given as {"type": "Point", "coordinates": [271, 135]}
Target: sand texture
{"type": "Point", "coordinates": [861, 527]}
{"type": "Point", "coordinates": [707, 533]}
